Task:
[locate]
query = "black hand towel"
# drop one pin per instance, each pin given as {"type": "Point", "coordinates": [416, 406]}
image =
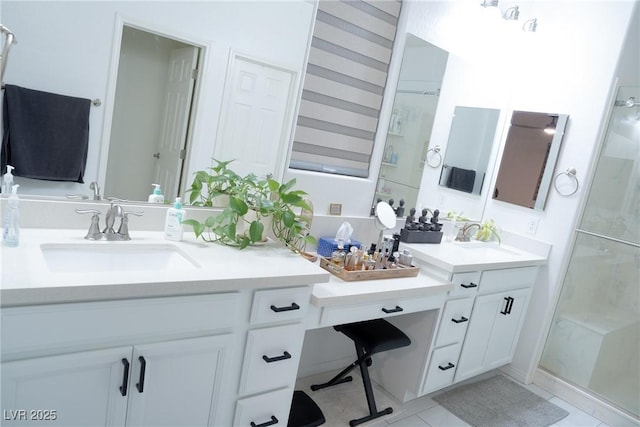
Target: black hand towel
{"type": "Point", "coordinates": [461, 179]}
{"type": "Point", "coordinates": [46, 135]}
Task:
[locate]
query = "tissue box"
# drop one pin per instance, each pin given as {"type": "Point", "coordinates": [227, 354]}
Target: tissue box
{"type": "Point", "coordinates": [326, 246]}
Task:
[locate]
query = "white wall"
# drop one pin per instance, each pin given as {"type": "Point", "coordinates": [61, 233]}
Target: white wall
{"type": "Point", "coordinates": [67, 47]}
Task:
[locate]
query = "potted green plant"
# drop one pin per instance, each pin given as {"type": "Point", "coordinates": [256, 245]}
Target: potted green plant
{"type": "Point", "coordinates": [252, 203]}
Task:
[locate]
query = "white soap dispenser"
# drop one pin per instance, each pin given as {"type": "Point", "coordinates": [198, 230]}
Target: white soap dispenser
{"type": "Point", "coordinates": [173, 221]}
{"type": "Point", "coordinates": [11, 225]}
{"type": "Point", "coordinates": [156, 196]}
{"type": "Point", "coordinates": [7, 181]}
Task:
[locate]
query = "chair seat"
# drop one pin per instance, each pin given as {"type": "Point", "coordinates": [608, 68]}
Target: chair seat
{"type": "Point", "coordinates": [304, 411]}
{"type": "Point", "coordinates": [374, 335]}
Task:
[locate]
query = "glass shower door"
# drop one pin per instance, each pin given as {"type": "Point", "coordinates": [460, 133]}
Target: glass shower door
{"type": "Point", "coordinates": [594, 341]}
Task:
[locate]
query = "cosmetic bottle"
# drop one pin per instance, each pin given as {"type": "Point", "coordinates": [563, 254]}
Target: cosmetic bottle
{"type": "Point", "coordinates": [156, 196]}
{"type": "Point", "coordinates": [11, 226]}
{"type": "Point", "coordinates": [173, 221]}
{"type": "Point", "coordinates": [338, 256]}
{"type": "Point", "coordinates": [7, 181]}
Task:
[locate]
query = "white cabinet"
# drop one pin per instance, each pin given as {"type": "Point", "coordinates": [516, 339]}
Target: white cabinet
{"type": "Point", "coordinates": [272, 354]}
{"type": "Point", "coordinates": [169, 383]}
{"type": "Point", "coordinates": [79, 389]}
{"type": "Point", "coordinates": [148, 379]}
{"type": "Point", "coordinates": [480, 324]}
{"type": "Point", "coordinates": [493, 332]}
{"type": "Point", "coordinates": [175, 383]}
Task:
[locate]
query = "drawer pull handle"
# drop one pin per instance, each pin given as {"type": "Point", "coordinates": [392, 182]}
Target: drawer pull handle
{"type": "Point", "coordinates": [273, 421]}
{"type": "Point", "coordinates": [268, 359]}
{"type": "Point", "coordinates": [444, 368]}
{"type": "Point", "coordinates": [470, 285]}
{"type": "Point", "coordinates": [293, 306]}
{"type": "Point", "coordinates": [125, 377]}
{"type": "Point", "coordinates": [143, 367]}
{"type": "Point", "coordinates": [508, 306]}
{"type": "Point", "coordinates": [462, 319]}
{"type": "Point", "coordinates": [392, 310]}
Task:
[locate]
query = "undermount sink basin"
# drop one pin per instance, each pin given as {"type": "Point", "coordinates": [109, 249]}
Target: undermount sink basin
{"type": "Point", "coordinates": [114, 257]}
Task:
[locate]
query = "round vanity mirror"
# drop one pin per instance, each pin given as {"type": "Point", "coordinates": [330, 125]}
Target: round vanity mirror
{"type": "Point", "coordinates": [385, 216]}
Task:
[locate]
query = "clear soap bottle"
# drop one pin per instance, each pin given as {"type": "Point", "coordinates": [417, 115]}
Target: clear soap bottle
{"type": "Point", "coordinates": [11, 225]}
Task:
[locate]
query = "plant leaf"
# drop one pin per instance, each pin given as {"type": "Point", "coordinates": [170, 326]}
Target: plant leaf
{"type": "Point", "coordinates": [255, 231]}
{"type": "Point", "coordinates": [238, 205]}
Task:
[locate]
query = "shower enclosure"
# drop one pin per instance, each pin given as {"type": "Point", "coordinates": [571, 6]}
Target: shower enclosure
{"type": "Point", "coordinates": [594, 341]}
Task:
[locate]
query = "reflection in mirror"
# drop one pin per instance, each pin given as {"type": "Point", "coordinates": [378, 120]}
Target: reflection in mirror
{"type": "Point", "coordinates": [529, 158]}
{"type": "Point", "coordinates": [469, 148]}
{"type": "Point", "coordinates": [151, 112]}
{"type": "Point", "coordinates": [414, 108]}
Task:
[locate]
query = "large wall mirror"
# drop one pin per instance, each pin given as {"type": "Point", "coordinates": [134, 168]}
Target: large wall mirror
{"type": "Point", "coordinates": [529, 158]}
{"type": "Point", "coordinates": [414, 108]}
{"type": "Point", "coordinates": [469, 148]}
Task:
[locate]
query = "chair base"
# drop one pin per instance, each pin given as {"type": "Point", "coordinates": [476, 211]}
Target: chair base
{"type": "Point", "coordinates": [370, 417]}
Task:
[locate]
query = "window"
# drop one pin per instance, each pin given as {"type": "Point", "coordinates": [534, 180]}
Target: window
{"type": "Point", "coordinates": [343, 87]}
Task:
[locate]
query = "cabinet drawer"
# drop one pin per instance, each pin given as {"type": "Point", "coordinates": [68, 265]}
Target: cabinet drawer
{"type": "Point", "coordinates": [27, 330]}
{"type": "Point", "coordinates": [503, 280]}
{"type": "Point", "coordinates": [454, 322]}
{"type": "Point", "coordinates": [379, 309]}
{"type": "Point", "coordinates": [264, 408]}
{"type": "Point", "coordinates": [275, 305]}
{"type": "Point", "coordinates": [442, 368]}
{"type": "Point", "coordinates": [465, 284]}
{"type": "Point", "coordinates": [271, 358]}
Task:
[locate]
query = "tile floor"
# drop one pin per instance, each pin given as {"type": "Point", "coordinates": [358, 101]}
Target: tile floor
{"type": "Point", "coordinates": [346, 401]}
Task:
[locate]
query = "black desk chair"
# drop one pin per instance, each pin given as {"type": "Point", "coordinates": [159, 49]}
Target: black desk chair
{"type": "Point", "coordinates": [370, 337]}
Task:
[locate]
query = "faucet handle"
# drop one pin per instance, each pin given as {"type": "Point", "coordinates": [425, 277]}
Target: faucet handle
{"type": "Point", "coordinates": [123, 231]}
{"type": "Point", "coordinates": [94, 229]}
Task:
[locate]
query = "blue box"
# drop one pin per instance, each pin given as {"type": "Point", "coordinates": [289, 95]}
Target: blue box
{"type": "Point", "coordinates": [326, 246]}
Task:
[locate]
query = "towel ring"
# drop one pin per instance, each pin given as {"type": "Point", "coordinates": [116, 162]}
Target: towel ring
{"type": "Point", "coordinates": [435, 150]}
{"type": "Point", "coordinates": [571, 173]}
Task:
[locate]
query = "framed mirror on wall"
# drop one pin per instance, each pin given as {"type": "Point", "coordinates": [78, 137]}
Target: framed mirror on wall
{"type": "Point", "coordinates": [529, 158]}
{"type": "Point", "coordinates": [414, 108]}
{"type": "Point", "coordinates": [469, 147]}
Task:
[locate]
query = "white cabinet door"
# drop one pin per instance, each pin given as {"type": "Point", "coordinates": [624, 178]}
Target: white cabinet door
{"type": "Point", "coordinates": [176, 383]}
{"type": "Point", "coordinates": [506, 329]}
{"type": "Point", "coordinates": [79, 389]}
{"type": "Point", "coordinates": [493, 332]}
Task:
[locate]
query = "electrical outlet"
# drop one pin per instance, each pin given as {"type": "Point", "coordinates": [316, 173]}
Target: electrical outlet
{"type": "Point", "coordinates": [532, 225]}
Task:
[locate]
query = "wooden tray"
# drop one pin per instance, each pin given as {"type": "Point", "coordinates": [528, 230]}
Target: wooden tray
{"type": "Point", "coordinates": [352, 276]}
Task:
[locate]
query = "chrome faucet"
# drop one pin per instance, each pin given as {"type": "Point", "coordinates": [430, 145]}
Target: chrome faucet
{"type": "Point", "coordinates": [464, 235]}
{"type": "Point", "coordinates": [109, 233]}
{"type": "Point", "coordinates": [96, 190]}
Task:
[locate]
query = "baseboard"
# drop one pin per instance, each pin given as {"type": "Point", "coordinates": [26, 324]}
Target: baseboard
{"type": "Point", "coordinates": [584, 401]}
{"type": "Point", "coordinates": [517, 374]}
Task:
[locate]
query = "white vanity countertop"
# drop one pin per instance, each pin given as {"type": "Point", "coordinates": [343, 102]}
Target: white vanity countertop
{"type": "Point", "coordinates": [339, 292]}
{"type": "Point", "coordinates": [472, 256]}
{"type": "Point", "coordinates": [28, 279]}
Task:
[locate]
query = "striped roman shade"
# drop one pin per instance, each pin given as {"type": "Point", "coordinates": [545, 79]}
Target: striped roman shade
{"type": "Point", "coordinates": [343, 86]}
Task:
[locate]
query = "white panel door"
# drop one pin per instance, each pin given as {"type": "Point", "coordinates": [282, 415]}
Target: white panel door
{"type": "Point", "coordinates": [78, 389]}
{"type": "Point", "coordinates": [255, 120]}
{"type": "Point", "coordinates": [175, 383]}
{"type": "Point", "coordinates": [173, 134]}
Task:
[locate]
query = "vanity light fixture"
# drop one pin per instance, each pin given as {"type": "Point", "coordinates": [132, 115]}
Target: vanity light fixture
{"type": "Point", "coordinates": [530, 25]}
{"type": "Point", "coordinates": [512, 13]}
{"type": "Point", "coordinates": [550, 128]}
{"type": "Point", "coordinates": [489, 3]}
